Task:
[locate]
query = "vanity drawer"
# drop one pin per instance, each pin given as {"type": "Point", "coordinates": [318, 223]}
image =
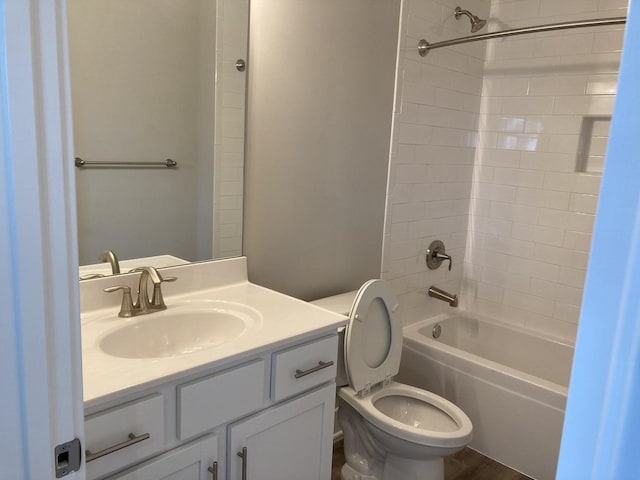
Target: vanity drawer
{"type": "Point", "coordinates": [206, 403]}
{"type": "Point", "coordinates": [303, 367]}
{"type": "Point", "coordinates": [124, 435]}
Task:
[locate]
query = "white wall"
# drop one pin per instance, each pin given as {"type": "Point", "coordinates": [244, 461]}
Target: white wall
{"type": "Point", "coordinates": [318, 130]}
{"type": "Point", "coordinates": [435, 133]}
{"type": "Point", "coordinates": [532, 213]}
{"type": "Point", "coordinates": [136, 74]}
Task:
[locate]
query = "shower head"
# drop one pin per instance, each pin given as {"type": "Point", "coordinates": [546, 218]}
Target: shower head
{"type": "Point", "coordinates": [476, 23]}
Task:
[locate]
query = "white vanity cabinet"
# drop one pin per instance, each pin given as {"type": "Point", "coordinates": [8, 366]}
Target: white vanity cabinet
{"type": "Point", "coordinates": [278, 405]}
{"type": "Point", "coordinates": [195, 461]}
{"type": "Point", "coordinates": [290, 441]}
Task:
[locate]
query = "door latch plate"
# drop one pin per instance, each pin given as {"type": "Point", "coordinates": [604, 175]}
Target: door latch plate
{"type": "Point", "coordinates": [68, 457]}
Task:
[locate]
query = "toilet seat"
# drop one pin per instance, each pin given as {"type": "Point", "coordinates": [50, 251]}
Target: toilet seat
{"type": "Point", "coordinates": [373, 340]}
{"type": "Point", "coordinates": [366, 406]}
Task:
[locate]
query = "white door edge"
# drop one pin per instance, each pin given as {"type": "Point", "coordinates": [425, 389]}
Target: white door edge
{"type": "Point", "coordinates": [40, 338]}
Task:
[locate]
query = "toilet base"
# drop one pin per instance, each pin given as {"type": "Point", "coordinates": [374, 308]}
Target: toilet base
{"type": "Point", "coordinates": [397, 468]}
{"type": "Point", "coordinates": [349, 473]}
{"type": "Point", "coordinates": [400, 468]}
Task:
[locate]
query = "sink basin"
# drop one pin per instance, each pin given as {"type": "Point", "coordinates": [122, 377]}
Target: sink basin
{"type": "Point", "coordinates": [182, 329]}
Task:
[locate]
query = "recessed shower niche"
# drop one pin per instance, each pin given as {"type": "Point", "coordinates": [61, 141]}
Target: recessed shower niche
{"type": "Point", "coordinates": [592, 143]}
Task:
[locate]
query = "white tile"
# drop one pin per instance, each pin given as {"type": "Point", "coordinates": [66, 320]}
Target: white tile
{"type": "Point", "coordinates": [437, 154]}
{"type": "Point", "coordinates": [577, 241]}
{"type": "Point", "coordinates": [533, 268]}
{"type": "Point", "coordinates": [531, 105]}
{"type": "Point", "coordinates": [489, 292]}
{"type": "Point", "coordinates": [553, 7]}
{"type": "Point", "coordinates": [542, 288]}
{"type": "Point", "coordinates": [583, 203]}
{"type": "Point", "coordinates": [610, 41]}
{"type": "Point", "coordinates": [518, 177]}
{"type": "Point", "coordinates": [572, 277]}
{"type": "Point", "coordinates": [562, 256]}
{"type": "Point", "coordinates": [552, 218]}
{"type": "Point", "coordinates": [503, 123]}
{"type": "Point", "coordinates": [588, 184]}
{"type": "Point", "coordinates": [554, 124]}
{"type": "Point", "coordinates": [543, 198]}
{"type": "Point", "coordinates": [500, 158]}
{"type": "Point", "coordinates": [567, 313]}
{"type": "Point", "coordinates": [524, 142]}
{"type": "Point", "coordinates": [506, 86]}
{"type": "Point", "coordinates": [580, 222]}
{"type": "Point", "coordinates": [558, 85]}
{"type": "Point", "coordinates": [567, 144]}
{"type": "Point", "coordinates": [500, 193]}
{"type": "Point", "coordinates": [509, 246]}
{"type": "Point", "coordinates": [586, 105]}
{"type": "Point", "coordinates": [415, 134]}
{"type": "Point", "coordinates": [440, 191]}
{"type": "Point", "coordinates": [575, 44]}
{"type": "Point", "coordinates": [506, 279]}
{"type": "Point", "coordinates": [602, 84]}
{"type": "Point", "coordinates": [515, 10]}
{"type": "Point", "coordinates": [501, 49]}
{"type": "Point", "coordinates": [500, 311]}
{"type": "Point", "coordinates": [538, 234]}
{"type": "Point", "coordinates": [528, 302]}
{"type": "Point", "coordinates": [551, 161]}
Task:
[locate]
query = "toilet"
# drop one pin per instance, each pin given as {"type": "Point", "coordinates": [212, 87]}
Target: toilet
{"type": "Point", "coordinates": [391, 431]}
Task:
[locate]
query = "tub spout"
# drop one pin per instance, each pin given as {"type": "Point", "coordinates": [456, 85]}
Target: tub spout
{"type": "Point", "coordinates": [435, 292]}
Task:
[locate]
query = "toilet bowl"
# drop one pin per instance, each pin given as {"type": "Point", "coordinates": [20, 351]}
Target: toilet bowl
{"type": "Point", "coordinates": [391, 431]}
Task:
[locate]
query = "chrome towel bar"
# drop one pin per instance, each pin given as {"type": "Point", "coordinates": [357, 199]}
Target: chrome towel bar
{"type": "Point", "coordinates": [168, 163]}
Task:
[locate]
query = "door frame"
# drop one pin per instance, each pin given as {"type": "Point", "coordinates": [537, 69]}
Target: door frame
{"type": "Point", "coordinates": [41, 405]}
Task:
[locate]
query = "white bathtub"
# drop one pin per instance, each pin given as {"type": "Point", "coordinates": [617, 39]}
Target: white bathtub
{"type": "Point", "coordinates": [512, 384]}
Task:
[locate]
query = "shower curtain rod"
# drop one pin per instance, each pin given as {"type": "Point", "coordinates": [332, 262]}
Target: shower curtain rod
{"type": "Point", "coordinates": [424, 46]}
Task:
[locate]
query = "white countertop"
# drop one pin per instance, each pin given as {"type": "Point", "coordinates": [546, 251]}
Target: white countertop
{"type": "Point", "coordinates": [283, 320]}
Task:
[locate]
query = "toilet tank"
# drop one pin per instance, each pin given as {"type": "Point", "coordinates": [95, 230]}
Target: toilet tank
{"type": "Point", "coordinates": [341, 304]}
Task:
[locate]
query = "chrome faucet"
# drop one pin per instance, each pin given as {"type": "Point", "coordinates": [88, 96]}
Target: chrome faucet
{"type": "Point", "coordinates": [143, 304]}
{"type": "Point", "coordinates": [110, 256]}
{"type": "Point", "coordinates": [440, 294]}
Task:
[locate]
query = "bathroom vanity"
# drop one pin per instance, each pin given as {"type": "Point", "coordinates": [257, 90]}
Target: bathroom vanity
{"type": "Point", "coordinates": [251, 397]}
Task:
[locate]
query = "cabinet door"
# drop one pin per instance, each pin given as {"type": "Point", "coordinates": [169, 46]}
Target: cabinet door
{"type": "Point", "coordinates": [190, 462]}
{"type": "Point", "coordinates": [293, 440]}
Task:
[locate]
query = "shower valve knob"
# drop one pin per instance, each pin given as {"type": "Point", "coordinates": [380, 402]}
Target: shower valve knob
{"type": "Point", "coordinates": [436, 255]}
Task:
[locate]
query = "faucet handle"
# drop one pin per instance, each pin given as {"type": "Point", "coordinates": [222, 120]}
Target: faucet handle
{"type": "Point", "coordinates": [444, 256]}
{"type": "Point", "coordinates": [436, 254]}
{"type": "Point", "coordinates": [157, 301]}
{"type": "Point", "coordinates": [126, 308]}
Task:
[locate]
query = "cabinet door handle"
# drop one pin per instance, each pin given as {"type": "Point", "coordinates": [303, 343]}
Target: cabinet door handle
{"type": "Point", "coordinates": [90, 456]}
{"type": "Point", "coordinates": [214, 470]}
{"type": "Point", "coordinates": [243, 456]}
{"type": "Point", "coordinates": [320, 366]}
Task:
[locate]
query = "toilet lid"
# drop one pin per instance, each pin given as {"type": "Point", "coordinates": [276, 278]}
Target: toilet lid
{"type": "Point", "coordinates": [373, 341]}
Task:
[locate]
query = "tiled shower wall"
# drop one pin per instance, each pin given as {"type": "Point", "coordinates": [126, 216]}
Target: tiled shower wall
{"type": "Point", "coordinates": [517, 212]}
{"type": "Point", "coordinates": [546, 102]}
{"type": "Point", "coordinates": [433, 150]}
{"type": "Point", "coordinates": [231, 44]}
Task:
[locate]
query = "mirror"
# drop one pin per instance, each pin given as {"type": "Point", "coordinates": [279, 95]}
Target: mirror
{"type": "Point", "coordinates": [150, 81]}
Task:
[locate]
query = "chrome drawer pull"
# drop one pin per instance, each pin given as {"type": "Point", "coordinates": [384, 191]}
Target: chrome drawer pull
{"type": "Point", "coordinates": [214, 471]}
{"type": "Point", "coordinates": [243, 456]}
{"type": "Point", "coordinates": [119, 446]}
{"type": "Point", "coordinates": [320, 366]}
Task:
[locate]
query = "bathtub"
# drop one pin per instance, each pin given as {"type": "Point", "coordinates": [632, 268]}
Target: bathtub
{"type": "Point", "coordinates": [512, 384]}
